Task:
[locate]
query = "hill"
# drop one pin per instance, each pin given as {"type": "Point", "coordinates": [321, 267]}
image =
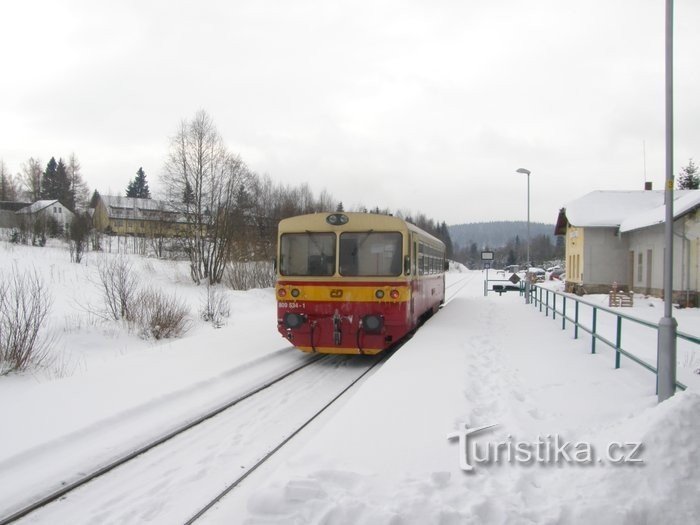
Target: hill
{"type": "Point", "coordinates": [496, 234]}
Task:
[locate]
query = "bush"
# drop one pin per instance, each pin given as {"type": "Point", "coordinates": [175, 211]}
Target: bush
{"type": "Point", "coordinates": [215, 307]}
{"type": "Point", "coordinates": [119, 288]}
{"type": "Point", "coordinates": [78, 236]}
{"type": "Point", "coordinates": [25, 304]}
{"type": "Point", "coordinates": [161, 316]}
{"type": "Point", "coordinates": [247, 275]}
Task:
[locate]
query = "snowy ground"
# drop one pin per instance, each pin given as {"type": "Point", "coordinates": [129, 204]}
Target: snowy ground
{"type": "Point", "coordinates": [385, 457]}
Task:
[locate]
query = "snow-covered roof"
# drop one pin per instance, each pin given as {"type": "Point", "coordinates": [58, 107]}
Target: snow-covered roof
{"type": "Point", "coordinates": [140, 209]}
{"type": "Point", "coordinates": [132, 202]}
{"type": "Point", "coordinates": [37, 206]}
{"type": "Point", "coordinates": [612, 208]}
{"type": "Point", "coordinates": [683, 202]}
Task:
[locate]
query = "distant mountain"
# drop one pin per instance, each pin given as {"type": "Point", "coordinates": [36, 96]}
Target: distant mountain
{"type": "Point", "coordinates": [496, 234]}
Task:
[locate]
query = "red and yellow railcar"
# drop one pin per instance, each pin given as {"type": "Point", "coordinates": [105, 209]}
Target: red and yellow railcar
{"type": "Point", "coordinates": [350, 283]}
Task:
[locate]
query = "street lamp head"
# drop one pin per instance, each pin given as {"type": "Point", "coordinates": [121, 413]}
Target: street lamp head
{"type": "Point", "coordinates": [522, 170]}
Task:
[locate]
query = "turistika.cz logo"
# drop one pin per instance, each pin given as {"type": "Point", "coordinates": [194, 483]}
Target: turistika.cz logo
{"type": "Point", "coordinates": [547, 450]}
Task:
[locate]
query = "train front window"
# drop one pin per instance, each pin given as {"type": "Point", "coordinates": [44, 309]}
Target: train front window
{"type": "Point", "coordinates": [307, 254]}
{"type": "Point", "coordinates": [370, 254]}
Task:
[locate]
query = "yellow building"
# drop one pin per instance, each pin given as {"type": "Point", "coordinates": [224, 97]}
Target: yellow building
{"type": "Point", "coordinates": [138, 217]}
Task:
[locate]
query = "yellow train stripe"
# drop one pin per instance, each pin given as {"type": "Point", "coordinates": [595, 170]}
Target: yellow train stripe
{"type": "Point", "coordinates": [343, 293]}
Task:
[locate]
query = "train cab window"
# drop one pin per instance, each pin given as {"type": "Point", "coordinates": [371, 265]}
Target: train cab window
{"type": "Point", "coordinates": [370, 254]}
{"type": "Point", "coordinates": [307, 254]}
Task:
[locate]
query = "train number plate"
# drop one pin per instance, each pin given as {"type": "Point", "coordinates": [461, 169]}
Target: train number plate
{"type": "Point", "coordinates": [291, 306]}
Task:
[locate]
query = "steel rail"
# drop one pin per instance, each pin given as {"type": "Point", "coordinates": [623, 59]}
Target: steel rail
{"type": "Point", "coordinates": [276, 449]}
{"type": "Point", "coordinates": [69, 487]}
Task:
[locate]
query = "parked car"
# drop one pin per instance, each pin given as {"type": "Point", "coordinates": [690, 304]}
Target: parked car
{"type": "Point", "coordinates": [536, 274]}
{"type": "Point", "coordinates": [556, 275]}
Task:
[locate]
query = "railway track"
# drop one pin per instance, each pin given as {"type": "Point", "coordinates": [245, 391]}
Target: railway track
{"type": "Point", "coordinates": [452, 289]}
{"type": "Point", "coordinates": [183, 473]}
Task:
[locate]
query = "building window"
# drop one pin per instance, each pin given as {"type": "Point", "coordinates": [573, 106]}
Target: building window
{"type": "Point", "coordinates": [640, 263]}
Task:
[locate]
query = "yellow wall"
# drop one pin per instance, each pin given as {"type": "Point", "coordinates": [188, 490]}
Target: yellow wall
{"type": "Point", "coordinates": [574, 254]}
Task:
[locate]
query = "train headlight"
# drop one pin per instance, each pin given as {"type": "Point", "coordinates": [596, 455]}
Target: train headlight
{"type": "Point", "coordinates": [337, 219]}
{"type": "Point", "coordinates": [293, 320]}
{"type": "Point", "coordinates": [394, 294]}
{"type": "Point", "coordinates": [295, 292]}
{"type": "Point", "coordinates": [373, 323]}
{"type": "Point", "coordinates": [282, 292]}
{"type": "Point", "coordinates": [379, 294]}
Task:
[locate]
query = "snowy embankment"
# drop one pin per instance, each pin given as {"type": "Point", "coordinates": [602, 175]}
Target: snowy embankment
{"type": "Point", "coordinates": [102, 390]}
{"type": "Point", "coordinates": [385, 456]}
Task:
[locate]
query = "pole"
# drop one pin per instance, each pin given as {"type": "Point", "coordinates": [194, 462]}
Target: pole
{"type": "Point", "coordinates": [528, 219]}
{"type": "Point", "coordinates": [666, 351]}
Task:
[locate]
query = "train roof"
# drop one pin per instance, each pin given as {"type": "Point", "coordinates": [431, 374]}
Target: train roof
{"type": "Point", "coordinates": [357, 221]}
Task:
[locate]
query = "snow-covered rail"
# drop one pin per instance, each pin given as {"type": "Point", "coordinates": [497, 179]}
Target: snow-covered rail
{"type": "Point", "coordinates": [453, 288]}
{"type": "Point", "coordinates": [377, 360]}
{"type": "Point", "coordinates": [179, 473]}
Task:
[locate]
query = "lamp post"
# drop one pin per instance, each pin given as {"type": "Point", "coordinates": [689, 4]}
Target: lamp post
{"type": "Point", "coordinates": [666, 351]}
{"type": "Point", "coordinates": [527, 172]}
{"type": "Point", "coordinates": [527, 279]}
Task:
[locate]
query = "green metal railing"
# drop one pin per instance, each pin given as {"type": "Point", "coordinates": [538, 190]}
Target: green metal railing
{"type": "Point", "coordinates": [546, 299]}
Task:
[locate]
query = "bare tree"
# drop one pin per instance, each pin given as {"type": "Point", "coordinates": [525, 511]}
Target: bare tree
{"type": "Point", "coordinates": [78, 187]}
{"type": "Point", "coordinates": [31, 179]}
{"type": "Point", "coordinates": [202, 179]}
{"type": "Point", "coordinates": [9, 190]}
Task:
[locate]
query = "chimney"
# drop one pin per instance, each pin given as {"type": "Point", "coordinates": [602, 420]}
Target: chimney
{"type": "Point", "coordinates": [647, 186]}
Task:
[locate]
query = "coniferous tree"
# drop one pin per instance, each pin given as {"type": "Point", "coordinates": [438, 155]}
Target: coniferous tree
{"type": "Point", "coordinates": [138, 188]}
{"type": "Point", "coordinates": [49, 185]}
{"type": "Point", "coordinates": [63, 186]}
{"type": "Point", "coordinates": [56, 184]}
{"type": "Point", "coordinates": [188, 194]}
{"type": "Point", "coordinates": [94, 198]}
{"type": "Point", "coordinates": [689, 178]}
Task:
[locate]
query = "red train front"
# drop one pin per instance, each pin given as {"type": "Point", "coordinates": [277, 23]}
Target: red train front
{"type": "Point", "coordinates": [353, 283]}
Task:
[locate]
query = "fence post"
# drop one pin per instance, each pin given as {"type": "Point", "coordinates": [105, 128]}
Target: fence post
{"type": "Point", "coordinates": [563, 313]}
{"type": "Point", "coordinates": [618, 342]}
{"type": "Point", "coordinates": [546, 304]}
{"type": "Point", "coordinates": [593, 330]}
{"type": "Point", "coordinates": [554, 307]}
{"type": "Point", "coordinates": [576, 319]}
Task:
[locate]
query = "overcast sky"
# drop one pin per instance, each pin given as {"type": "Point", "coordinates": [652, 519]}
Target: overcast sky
{"type": "Point", "coordinates": [419, 105]}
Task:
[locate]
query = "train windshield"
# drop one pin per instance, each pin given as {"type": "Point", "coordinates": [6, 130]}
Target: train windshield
{"type": "Point", "coordinates": [307, 254]}
{"type": "Point", "coordinates": [370, 254]}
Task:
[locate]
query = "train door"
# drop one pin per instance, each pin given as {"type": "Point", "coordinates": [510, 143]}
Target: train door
{"type": "Point", "coordinates": [414, 269]}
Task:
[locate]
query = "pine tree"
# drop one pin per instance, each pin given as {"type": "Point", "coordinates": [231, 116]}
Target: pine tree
{"type": "Point", "coordinates": [689, 178]}
{"type": "Point", "coordinates": [56, 184]}
{"type": "Point", "coordinates": [138, 188]}
{"type": "Point", "coordinates": [94, 198]}
{"type": "Point", "coordinates": [64, 194]}
{"type": "Point", "coordinates": [188, 194]}
{"type": "Point", "coordinates": [48, 184]}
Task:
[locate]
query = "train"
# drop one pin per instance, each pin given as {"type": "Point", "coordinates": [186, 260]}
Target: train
{"type": "Point", "coordinates": [355, 283]}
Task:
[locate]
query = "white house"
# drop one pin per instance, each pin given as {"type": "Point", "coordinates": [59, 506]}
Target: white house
{"type": "Point", "coordinates": [47, 210]}
{"type": "Point", "coordinates": [617, 237]}
{"type": "Point", "coordinates": [644, 233]}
